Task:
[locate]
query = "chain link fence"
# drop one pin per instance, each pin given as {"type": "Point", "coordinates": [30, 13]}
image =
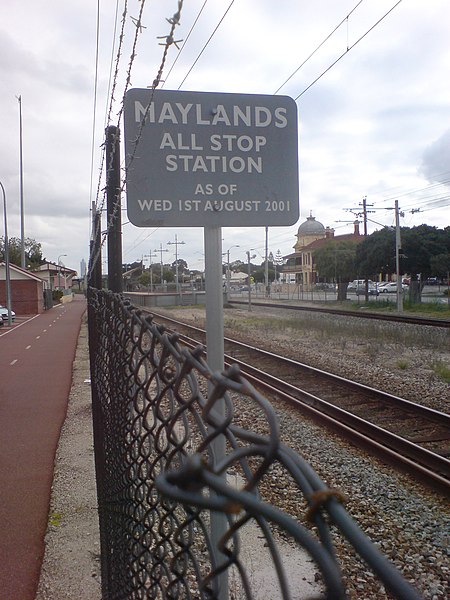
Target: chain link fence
{"type": "Point", "coordinates": [161, 482]}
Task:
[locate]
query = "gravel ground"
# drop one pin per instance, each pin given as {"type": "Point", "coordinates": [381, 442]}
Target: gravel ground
{"type": "Point", "coordinates": [409, 523]}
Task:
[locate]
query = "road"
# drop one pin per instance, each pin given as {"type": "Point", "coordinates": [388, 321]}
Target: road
{"type": "Point", "coordinates": [36, 357]}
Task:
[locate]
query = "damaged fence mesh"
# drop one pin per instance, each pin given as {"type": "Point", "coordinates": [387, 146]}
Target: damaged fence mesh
{"type": "Point", "coordinates": [159, 479]}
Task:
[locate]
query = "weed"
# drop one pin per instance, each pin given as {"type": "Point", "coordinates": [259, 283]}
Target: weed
{"type": "Point", "coordinates": [55, 518]}
{"type": "Point", "coordinates": [441, 370]}
{"type": "Point", "coordinates": [402, 364]}
{"type": "Point", "coordinates": [373, 349]}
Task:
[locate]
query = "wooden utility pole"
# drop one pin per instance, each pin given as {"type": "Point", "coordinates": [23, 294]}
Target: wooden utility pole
{"type": "Point", "coordinates": [113, 209]}
{"type": "Point", "coordinates": [95, 261]}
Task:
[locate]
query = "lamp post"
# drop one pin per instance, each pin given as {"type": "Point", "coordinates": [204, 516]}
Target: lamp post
{"type": "Point", "coordinates": [7, 269]}
{"type": "Point", "coordinates": [228, 268]}
{"type": "Point", "coordinates": [59, 270]}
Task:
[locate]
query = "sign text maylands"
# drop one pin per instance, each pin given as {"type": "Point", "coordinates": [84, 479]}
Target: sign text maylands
{"type": "Point", "coordinates": [207, 159]}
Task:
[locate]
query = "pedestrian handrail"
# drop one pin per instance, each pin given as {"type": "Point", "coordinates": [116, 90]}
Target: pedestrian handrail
{"type": "Point", "coordinates": [159, 479]}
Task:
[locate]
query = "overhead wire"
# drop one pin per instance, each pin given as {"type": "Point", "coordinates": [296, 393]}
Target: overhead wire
{"type": "Point", "coordinates": [208, 41]}
{"type": "Point", "coordinates": [318, 47]}
{"type": "Point", "coordinates": [111, 102]}
{"type": "Point", "coordinates": [108, 111]}
{"type": "Point", "coordinates": [347, 51]}
{"type": "Point", "coordinates": [94, 110]}
{"type": "Point", "coordinates": [169, 40]}
{"type": "Point", "coordinates": [184, 43]}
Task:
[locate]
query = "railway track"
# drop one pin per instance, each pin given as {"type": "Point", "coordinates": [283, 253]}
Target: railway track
{"type": "Point", "coordinates": [412, 320]}
{"type": "Point", "coordinates": [409, 436]}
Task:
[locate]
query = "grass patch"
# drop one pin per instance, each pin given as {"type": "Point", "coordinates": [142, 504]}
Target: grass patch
{"type": "Point", "coordinates": [433, 308]}
{"type": "Point", "coordinates": [55, 518]}
{"type": "Point", "coordinates": [441, 370]}
{"type": "Point", "coordinates": [402, 364]}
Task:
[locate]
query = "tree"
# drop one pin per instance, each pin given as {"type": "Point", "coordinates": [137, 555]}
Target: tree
{"type": "Point", "coordinates": [420, 246]}
{"type": "Point", "coordinates": [376, 254]}
{"type": "Point", "coordinates": [440, 265]}
{"type": "Point", "coordinates": [336, 261]}
{"type": "Point", "coordinates": [33, 252]}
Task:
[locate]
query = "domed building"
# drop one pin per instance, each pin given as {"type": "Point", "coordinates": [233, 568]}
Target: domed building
{"type": "Point", "coordinates": [311, 235]}
{"type": "Point", "coordinates": [308, 232]}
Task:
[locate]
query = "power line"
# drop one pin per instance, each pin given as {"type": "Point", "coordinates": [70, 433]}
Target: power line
{"type": "Point", "coordinates": [97, 37]}
{"type": "Point", "coordinates": [169, 40]}
{"type": "Point", "coordinates": [318, 47]}
{"type": "Point", "coordinates": [184, 43]}
{"type": "Point", "coordinates": [209, 39]}
{"type": "Point", "coordinates": [347, 51]}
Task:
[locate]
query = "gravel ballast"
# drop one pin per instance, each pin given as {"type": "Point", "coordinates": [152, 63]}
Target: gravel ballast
{"type": "Point", "coordinates": [409, 523]}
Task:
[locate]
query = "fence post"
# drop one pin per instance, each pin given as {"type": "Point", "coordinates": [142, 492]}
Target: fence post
{"type": "Point", "coordinates": [113, 209]}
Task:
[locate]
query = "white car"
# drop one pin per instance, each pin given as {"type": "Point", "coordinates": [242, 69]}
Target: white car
{"type": "Point", "coordinates": [390, 287]}
{"type": "Point", "coordinates": [4, 313]}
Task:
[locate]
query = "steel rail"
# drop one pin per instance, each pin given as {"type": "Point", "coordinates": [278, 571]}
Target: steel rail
{"type": "Point", "coordinates": [426, 412]}
{"type": "Point", "coordinates": [432, 322]}
{"type": "Point", "coordinates": [426, 466]}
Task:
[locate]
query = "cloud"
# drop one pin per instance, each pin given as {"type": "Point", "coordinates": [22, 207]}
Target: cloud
{"type": "Point", "coordinates": [435, 160]}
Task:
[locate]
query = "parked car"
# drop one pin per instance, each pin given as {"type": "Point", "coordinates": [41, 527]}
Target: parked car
{"type": "Point", "coordinates": [361, 290]}
{"type": "Point", "coordinates": [390, 287]}
{"type": "Point", "coordinates": [4, 313]}
{"type": "Point", "coordinates": [358, 283]}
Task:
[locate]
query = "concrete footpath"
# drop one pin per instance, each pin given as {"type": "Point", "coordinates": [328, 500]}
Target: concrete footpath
{"type": "Point", "coordinates": [37, 361]}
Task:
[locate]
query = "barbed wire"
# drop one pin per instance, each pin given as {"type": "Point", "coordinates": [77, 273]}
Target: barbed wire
{"type": "Point", "coordinates": [169, 41]}
{"type": "Point", "coordinates": [113, 88]}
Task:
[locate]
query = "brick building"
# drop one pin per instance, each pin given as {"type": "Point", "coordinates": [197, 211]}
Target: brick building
{"type": "Point", "coordinates": [299, 266]}
{"type": "Point", "coordinates": [27, 290]}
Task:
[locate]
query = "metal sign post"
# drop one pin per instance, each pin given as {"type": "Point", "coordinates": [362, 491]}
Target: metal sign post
{"type": "Point", "coordinates": [215, 360]}
{"type": "Point", "coordinates": [211, 160]}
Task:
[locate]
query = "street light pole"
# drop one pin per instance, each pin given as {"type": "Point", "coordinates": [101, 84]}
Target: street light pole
{"type": "Point", "coordinates": [7, 269]}
{"type": "Point", "coordinates": [22, 218]}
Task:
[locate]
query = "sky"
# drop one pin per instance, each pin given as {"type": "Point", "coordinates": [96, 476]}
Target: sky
{"type": "Point", "coordinates": [375, 125]}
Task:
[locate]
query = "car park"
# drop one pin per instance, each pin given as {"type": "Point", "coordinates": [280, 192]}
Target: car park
{"type": "Point", "coordinates": [4, 313]}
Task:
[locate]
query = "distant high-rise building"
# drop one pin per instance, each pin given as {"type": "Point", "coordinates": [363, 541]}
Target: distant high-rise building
{"type": "Point", "coordinates": [82, 268]}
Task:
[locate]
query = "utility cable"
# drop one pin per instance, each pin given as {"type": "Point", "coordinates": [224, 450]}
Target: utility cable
{"type": "Point", "coordinates": [169, 40]}
{"type": "Point", "coordinates": [108, 112]}
{"type": "Point", "coordinates": [204, 47]}
{"type": "Point", "coordinates": [97, 36]}
{"type": "Point", "coordinates": [111, 96]}
{"type": "Point", "coordinates": [347, 51]}
{"type": "Point", "coordinates": [184, 43]}
{"type": "Point", "coordinates": [318, 47]}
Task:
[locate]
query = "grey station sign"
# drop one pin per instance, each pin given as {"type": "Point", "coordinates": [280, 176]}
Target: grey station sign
{"type": "Point", "coordinates": [210, 159]}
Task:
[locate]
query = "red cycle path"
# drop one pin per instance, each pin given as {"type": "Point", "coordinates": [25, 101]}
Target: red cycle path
{"type": "Point", "coordinates": [36, 360]}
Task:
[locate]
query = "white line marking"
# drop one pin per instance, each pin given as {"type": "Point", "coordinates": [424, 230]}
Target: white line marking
{"type": "Point", "coordinates": [13, 362]}
{"type": "Point", "coordinates": [28, 347]}
{"type": "Point", "coordinates": [38, 336]}
{"type": "Point", "coordinates": [17, 326]}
